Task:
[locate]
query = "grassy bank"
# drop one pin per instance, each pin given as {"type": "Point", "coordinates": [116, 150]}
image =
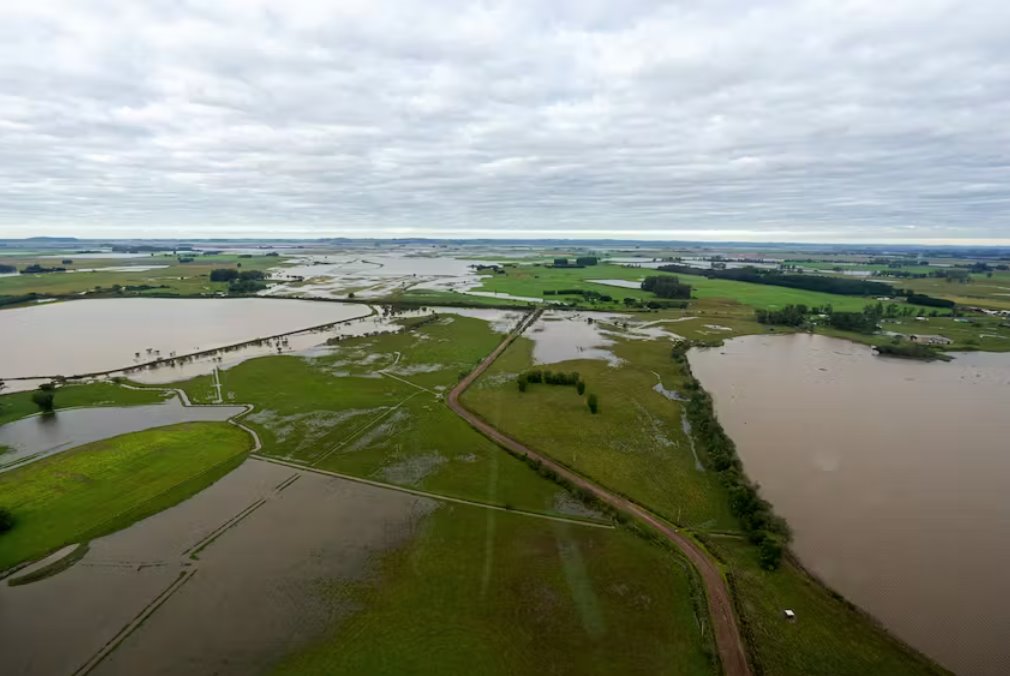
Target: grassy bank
{"type": "Point", "coordinates": [829, 636]}
{"type": "Point", "coordinates": [19, 404]}
{"type": "Point", "coordinates": [483, 592]}
{"type": "Point", "coordinates": [104, 486]}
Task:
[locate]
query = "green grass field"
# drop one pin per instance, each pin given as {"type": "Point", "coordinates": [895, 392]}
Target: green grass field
{"type": "Point", "coordinates": [179, 278]}
{"type": "Point", "coordinates": [532, 280]}
{"type": "Point", "coordinates": [635, 445]}
{"type": "Point", "coordinates": [104, 486]}
{"type": "Point", "coordinates": [484, 592]}
{"type": "Point", "coordinates": [828, 637]}
{"type": "Point", "coordinates": [19, 404]}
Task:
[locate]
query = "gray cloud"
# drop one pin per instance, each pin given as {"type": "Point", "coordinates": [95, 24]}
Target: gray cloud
{"type": "Point", "coordinates": [821, 120]}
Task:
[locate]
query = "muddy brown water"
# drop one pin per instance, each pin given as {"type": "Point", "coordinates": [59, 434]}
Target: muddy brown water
{"type": "Point", "coordinates": [263, 588]}
{"type": "Point", "coordinates": [893, 474]}
{"type": "Point", "coordinates": [91, 335]}
{"type": "Point", "coordinates": [39, 436]}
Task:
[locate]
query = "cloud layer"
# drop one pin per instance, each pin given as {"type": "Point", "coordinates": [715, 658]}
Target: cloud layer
{"type": "Point", "coordinates": [731, 119]}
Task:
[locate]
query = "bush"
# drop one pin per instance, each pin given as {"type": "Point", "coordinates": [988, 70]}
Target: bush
{"type": "Point", "coordinates": [44, 399]}
{"type": "Point", "coordinates": [594, 404]}
{"type": "Point", "coordinates": [580, 387]}
{"type": "Point", "coordinates": [6, 520]}
{"type": "Point", "coordinates": [223, 275]}
{"type": "Point", "coordinates": [522, 384]}
{"type": "Point", "coordinates": [770, 552]}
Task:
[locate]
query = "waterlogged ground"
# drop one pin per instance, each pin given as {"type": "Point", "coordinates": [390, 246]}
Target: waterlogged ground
{"type": "Point", "coordinates": [245, 572]}
{"type": "Point", "coordinates": [373, 407]}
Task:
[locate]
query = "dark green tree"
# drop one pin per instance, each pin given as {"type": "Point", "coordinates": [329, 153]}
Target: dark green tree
{"type": "Point", "coordinates": [44, 399]}
{"type": "Point", "coordinates": [594, 403]}
{"type": "Point", "coordinates": [580, 387]}
{"type": "Point", "coordinates": [6, 520]}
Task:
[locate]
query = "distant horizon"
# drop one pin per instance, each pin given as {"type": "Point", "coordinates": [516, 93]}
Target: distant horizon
{"type": "Point", "coordinates": [612, 238]}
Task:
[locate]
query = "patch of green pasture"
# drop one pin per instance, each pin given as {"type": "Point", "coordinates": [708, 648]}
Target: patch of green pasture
{"type": "Point", "coordinates": [19, 404]}
{"type": "Point", "coordinates": [634, 445]}
{"type": "Point", "coordinates": [991, 334]}
{"type": "Point", "coordinates": [484, 592]}
{"type": "Point", "coordinates": [533, 280]}
{"type": "Point", "coordinates": [989, 292]}
{"type": "Point", "coordinates": [829, 637]}
{"type": "Point", "coordinates": [179, 278]}
{"type": "Point", "coordinates": [104, 486]}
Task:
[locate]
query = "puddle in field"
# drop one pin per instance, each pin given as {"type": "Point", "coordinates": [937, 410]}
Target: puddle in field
{"type": "Point", "coordinates": [40, 436]}
{"type": "Point", "coordinates": [620, 283]}
{"type": "Point", "coordinates": [261, 590]}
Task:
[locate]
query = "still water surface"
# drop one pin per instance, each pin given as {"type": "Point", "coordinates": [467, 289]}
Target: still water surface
{"type": "Point", "coordinates": [893, 474]}
{"type": "Point", "coordinates": [39, 436]}
{"type": "Point", "coordinates": [84, 336]}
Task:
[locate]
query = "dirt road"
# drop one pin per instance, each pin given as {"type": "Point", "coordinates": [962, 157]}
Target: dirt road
{"type": "Point", "coordinates": [729, 643]}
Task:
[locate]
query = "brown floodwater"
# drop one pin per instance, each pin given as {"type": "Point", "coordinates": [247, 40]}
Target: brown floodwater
{"type": "Point", "coordinates": [261, 589]}
{"type": "Point", "coordinates": [91, 335]}
{"type": "Point", "coordinates": [893, 474]}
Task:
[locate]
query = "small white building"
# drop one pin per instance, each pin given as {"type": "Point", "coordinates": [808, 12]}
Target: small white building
{"type": "Point", "coordinates": [789, 614]}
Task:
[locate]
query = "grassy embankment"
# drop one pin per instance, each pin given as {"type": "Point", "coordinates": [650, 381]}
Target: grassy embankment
{"type": "Point", "coordinates": [829, 638]}
{"type": "Point", "coordinates": [19, 404]}
{"type": "Point", "coordinates": [180, 279]}
{"type": "Point", "coordinates": [337, 412]}
{"type": "Point", "coordinates": [483, 592]}
{"type": "Point", "coordinates": [105, 486]}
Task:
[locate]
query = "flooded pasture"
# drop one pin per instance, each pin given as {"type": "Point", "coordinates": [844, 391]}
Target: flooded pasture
{"type": "Point", "coordinates": [893, 475]}
{"type": "Point", "coordinates": [228, 582]}
{"type": "Point", "coordinates": [560, 336]}
{"type": "Point", "coordinates": [92, 335]}
{"type": "Point", "coordinates": [39, 436]}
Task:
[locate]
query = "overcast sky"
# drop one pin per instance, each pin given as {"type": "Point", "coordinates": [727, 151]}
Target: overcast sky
{"type": "Point", "coordinates": [871, 120]}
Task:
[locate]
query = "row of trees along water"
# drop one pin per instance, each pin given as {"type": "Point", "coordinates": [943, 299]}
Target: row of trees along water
{"type": "Point", "coordinates": [861, 322]}
{"type": "Point", "coordinates": [765, 529]}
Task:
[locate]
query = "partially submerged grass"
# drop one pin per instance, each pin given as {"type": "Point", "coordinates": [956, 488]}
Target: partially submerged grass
{"type": "Point", "coordinates": [19, 404]}
{"type": "Point", "coordinates": [338, 412]}
{"type": "Point", "coordinates": [104, 486]}
{"type": "Point", "coordinates": [484, 592]}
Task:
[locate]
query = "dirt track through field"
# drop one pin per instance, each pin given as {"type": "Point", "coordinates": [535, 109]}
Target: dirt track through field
{"type": "Point", "coordinates": [729, 643]}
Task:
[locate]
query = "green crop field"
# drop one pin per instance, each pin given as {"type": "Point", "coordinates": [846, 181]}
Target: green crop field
{"type": "Point", "coordinates": [483, 592]}
{"type": "Point", "coordinates": [101, 487]}
{"type": "Point", "coordinates": [19, 404]}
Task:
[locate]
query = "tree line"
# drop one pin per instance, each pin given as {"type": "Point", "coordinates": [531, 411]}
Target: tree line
{"type": "Point", "coordinates": [822, 283]}
{"type": "Point", "coordinates": [667, 287]}
{"type": "Point", "coordinates": [765, 529]}
{"type": "Point", "coordinates": [548, 377]}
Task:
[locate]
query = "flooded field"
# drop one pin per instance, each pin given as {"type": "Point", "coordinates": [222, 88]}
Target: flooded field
{"type": "Point", "coordinates": [892, 473]}
{"type": "Point", "coordinates": [102, 334]}
{"type": "Point", "coordinates": [372, 275]}
{"type": "Point", "coordinates": [559, 336]}
{"type": "Point", "coordinates": [227, 582]}
{"type": "Point", "coordinates": [39, 436]}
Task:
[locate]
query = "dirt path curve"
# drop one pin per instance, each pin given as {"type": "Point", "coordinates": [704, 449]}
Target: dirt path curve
{"type": "Point", "coordinates": [729, 642]}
